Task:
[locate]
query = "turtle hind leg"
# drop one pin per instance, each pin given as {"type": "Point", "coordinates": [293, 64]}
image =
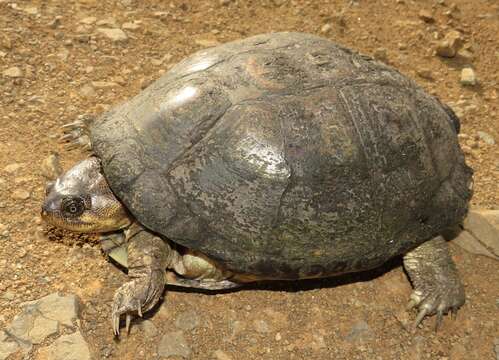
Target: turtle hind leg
{"type": "Point", "coordinates": [76, 135]}
{"type": "Point", "coordinates": [437, 287]}
{"type": "Point", "coordinates": [204, 284]}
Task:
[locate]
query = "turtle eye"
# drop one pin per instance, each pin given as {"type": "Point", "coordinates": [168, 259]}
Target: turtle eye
{"type": "Point", "coordinates": [73, 206]}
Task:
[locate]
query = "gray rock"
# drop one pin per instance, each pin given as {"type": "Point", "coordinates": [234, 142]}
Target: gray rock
{"type": "Point", "coordinates": [484, 226]}
{"type": "Point", "coordinates": [468, 77]}
{"type": "Point", "coordinates": [51, 167]}
{"type": "Point", "coordinates": [42, 318]}
{"type": "Point", "coordinates": [30, 327]}
{"type": "Point", "coordinates": [115, 35]}
{"type": "Point", "coordinates": [496, 348]}
{"type": "Point", "coordinates": [486, 137]}
{"type": "Point", "coordinates": [187, 320]}
{"type": "Point", "coordinates": [7, 346]}
{"type": "Point", "coordinates": [360, 331]}
{"type": "Point", "coordinates": [13, 72]}
{"type": "Point", "coordinates": [62, 308]}
{"type": "Point", "coordinates": [145, 327]}
{"type": "Point", "coordinates": [481, 233]}
{"type": "Point", "coordinates": [67, 347]}
{"type": "Point", "coordinates": [174, 344]}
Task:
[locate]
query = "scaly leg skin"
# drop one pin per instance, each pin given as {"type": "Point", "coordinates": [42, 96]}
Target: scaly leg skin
{"type": "Point", "coordinates": [437, 287]}
{"type": "Point", "coordinates": [148, 258]}
{"type": "Point", "coordinates": [76, 134]}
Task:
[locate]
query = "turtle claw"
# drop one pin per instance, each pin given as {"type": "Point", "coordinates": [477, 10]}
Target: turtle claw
{"type": "Point", "coordinates": [128, 321]}
{"type": "Point", "coordinates": [76, 134]}
{"type": "Point", "coordinates": [136, 297]}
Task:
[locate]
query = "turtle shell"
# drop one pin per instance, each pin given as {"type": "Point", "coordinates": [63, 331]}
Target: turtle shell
{"type": "Point", "coordinates": [286, 156]}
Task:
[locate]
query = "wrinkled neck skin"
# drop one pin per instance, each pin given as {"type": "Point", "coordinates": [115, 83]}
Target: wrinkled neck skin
{"type": "Point", "coordinates": [81, 200]}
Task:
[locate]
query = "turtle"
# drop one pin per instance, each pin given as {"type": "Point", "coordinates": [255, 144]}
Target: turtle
{"type": "Point", "coordinates": [281, 156]}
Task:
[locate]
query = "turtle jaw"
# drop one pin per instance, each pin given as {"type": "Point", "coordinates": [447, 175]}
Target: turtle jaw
{"type": "Point", "coordinates": [86, 223]}
{"type": "Point", "coordinates": [81, 200]}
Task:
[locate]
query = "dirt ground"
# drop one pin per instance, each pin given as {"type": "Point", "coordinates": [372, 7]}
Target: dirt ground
{"type": "Point", "coordinates": [67, 67]}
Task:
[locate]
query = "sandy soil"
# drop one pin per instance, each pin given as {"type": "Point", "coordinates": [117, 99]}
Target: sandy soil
{"type": "Point", "coordinates": [66, 67]}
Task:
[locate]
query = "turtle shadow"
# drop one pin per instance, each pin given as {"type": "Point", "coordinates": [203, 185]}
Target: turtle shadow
{"type": "Point", "coordinates": [298, 285]}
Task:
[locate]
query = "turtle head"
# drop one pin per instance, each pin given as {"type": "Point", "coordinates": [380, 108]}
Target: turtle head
{"type": "Point", "coordinates": [81, 200]}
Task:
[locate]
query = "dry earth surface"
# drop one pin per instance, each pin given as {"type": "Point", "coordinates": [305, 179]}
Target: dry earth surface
{"type": "Point", "coordinates": [62, 58]}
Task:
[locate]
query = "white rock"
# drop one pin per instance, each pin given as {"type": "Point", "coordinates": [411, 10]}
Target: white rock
{"type": "Point", "coordinates": [115, 35]}
{"type": "Point", "coordinates": [326, 28]}
{"type": "Point", "coordinates": [468, 77]}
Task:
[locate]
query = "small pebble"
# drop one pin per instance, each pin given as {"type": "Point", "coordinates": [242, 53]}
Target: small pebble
{"type": "Point", "coordinates": [21, 194]}
{"type": "Point", "coordinates": [220, 355]}
{"type": "Point", "coordinates": [449, 46]}
{"type": "Point", "coordinates": [426, 16]}
{"type": "Point", "coordinates": [12, 168]}
{"type": "Point", "coordinates": [425, 74]}
{"type": "Point", "coordinates": [115, 35]}
{"type": "Point", "coordinates": [326, 28]}
{"type": "Point", "coordinates": [468, 77]}
{"type": "Point", "coordinates": [130, 26]}
{"type": "Point", "coordinates": [13, 72]}
{"type": "Point", "coordinates": [486, 137]}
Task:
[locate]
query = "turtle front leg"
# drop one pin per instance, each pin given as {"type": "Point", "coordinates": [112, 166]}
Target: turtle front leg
{"type": "Point", "coordinates": [148, 257]}
{"type": "Point", "coordinates": [437, 287]}
{"type": "Point", "coordinates": [76, 135]}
